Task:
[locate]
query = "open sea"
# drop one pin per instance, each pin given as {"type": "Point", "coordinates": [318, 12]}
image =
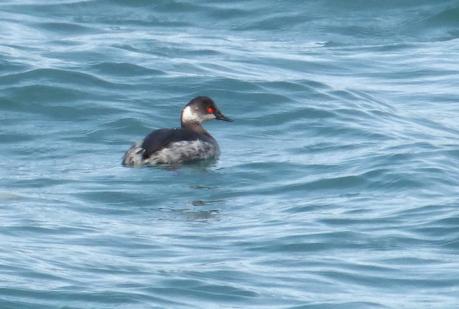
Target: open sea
{"type": "Point", "coordinates": [338, 183]}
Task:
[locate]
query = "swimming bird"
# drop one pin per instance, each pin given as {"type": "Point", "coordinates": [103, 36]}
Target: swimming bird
{"type": "Point", "coordinates": [190, 142]}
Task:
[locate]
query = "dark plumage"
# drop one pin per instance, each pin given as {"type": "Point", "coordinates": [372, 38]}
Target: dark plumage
{"type": "Point", "coordinates": [158, 139]}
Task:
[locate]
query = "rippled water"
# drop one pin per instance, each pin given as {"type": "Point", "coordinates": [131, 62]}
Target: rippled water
{"type": "Point", "coordinates": [338, 182]}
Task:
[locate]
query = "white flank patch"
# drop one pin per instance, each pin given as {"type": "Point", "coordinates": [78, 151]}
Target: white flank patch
{"type": "Point", "coordinates": [134, 156]}
{"type": "Point", "coordinates": [183, 151]}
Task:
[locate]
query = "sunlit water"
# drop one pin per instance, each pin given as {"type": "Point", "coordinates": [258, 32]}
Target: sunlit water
{"type": "Point", "coordinates": [338, 182]}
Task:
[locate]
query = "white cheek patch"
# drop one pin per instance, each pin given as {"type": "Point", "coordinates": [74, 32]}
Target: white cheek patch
{"type": "Point", "coordinates": [189, 115]}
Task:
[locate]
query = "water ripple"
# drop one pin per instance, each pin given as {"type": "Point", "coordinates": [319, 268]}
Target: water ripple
{"type": "Point", "coordinates": [336, 187]}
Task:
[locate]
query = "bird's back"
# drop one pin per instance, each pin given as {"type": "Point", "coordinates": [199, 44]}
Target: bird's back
{"type": "Point", "coordinates": [171, 146]}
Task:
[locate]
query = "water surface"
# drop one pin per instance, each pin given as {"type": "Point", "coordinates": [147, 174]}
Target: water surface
{"type": "Point", "coordinates": [338, 182]}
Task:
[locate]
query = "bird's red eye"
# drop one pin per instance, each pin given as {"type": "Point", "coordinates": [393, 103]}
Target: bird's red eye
{"type": "Point", "coordinates": [210, 110]}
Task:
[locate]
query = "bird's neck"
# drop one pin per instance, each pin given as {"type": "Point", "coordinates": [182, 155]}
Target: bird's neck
{"type": "Point", "coordinates": [194, 126]}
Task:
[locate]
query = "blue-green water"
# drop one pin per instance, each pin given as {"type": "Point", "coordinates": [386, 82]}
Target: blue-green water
{"type": "Point", "coordinates": [338, 184]}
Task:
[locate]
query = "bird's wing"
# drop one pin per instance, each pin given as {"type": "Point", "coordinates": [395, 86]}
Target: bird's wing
{"type": "Point", "coordinates": [158, 139]}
